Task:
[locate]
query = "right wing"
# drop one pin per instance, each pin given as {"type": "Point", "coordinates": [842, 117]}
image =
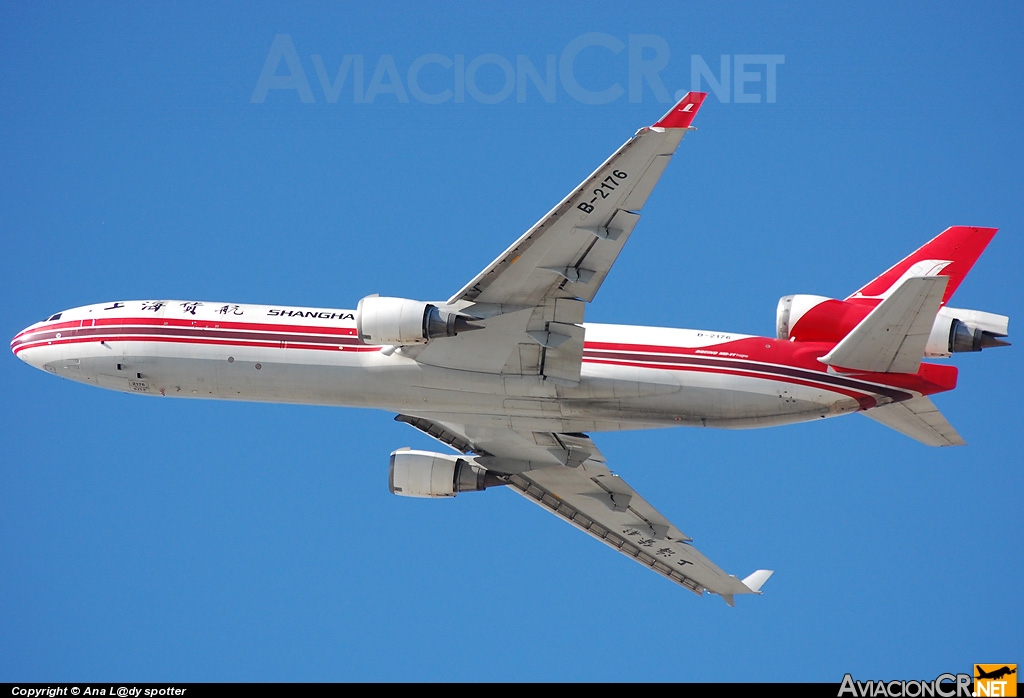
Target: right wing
{"type": "Point", "coordinates": [568, 252]}
{"type": "Point", "coordinates": [567, 475]}
{"type": "Point", "coordinates": [528, 304]}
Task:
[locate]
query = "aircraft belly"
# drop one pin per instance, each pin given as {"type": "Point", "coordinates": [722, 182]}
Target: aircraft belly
{"type": "Point", "coordinates": [717, 400]}
{"type": "Point", "coordinates": [604, 400]}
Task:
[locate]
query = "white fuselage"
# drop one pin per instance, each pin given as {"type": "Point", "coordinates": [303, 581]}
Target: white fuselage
{"type": "Point", "coordinates": [632, 377]}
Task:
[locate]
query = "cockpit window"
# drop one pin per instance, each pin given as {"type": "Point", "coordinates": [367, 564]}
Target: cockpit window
{"type": "Point", "coordinates": [55, 316]}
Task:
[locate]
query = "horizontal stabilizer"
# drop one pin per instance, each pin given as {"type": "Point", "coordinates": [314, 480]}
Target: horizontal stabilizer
{"type": "Point", "coordinates": [919, 419]}
{"type": "Point", "coordinates": [892, 338]}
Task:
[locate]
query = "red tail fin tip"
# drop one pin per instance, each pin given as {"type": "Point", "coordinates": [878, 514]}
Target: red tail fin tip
{"type": "Point", "coordinates": [952, 253]}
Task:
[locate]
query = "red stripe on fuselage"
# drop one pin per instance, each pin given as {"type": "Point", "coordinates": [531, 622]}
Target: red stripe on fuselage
{"type": "Point", "coordinates": [801, 356]}
{"type": "Point", "coordinates": [298, 344]}
{"type": "Point", "coordinates": [184, 322]}
{"type": "Point", "coordinates": [790, 361]}
{"type": "Point", "coordinates": [866, 401]}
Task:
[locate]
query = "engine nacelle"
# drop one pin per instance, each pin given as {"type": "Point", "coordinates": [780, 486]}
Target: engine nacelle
{"type": "Point", "coordinates": [399, 321]}
{"type": "Point", "coordinates": [791, 309]}
{"type": "Point", "coordinates": [958, 330]}
{"type": "Point", "coordinates": [427, 474]}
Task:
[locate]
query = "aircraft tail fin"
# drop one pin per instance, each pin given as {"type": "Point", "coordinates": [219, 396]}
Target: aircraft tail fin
{"type": "Point", "coordinates": [893, 337]}
{"type": "Point", "coordinates": [919, 419]}
{"type": "Point", "coordinates": [951, 253]}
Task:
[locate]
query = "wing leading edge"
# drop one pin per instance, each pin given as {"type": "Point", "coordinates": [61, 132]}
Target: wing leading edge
{"type": "Point", "coordinates": [568, 475]}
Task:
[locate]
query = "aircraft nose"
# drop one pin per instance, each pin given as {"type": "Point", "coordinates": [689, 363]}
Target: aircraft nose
{"type": "Point", "coordinates": [31, 345]}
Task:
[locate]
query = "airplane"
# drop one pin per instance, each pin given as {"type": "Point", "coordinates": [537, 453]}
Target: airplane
{"type": "Point", "coordinates": [995, 673]}
{"type": "Point", "coordinates": [508, 376]}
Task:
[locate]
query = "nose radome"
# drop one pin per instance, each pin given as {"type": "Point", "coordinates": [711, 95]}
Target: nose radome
{"type": "Point", "coordinates": [22, 346]}
{"type": "Point", "coordinates": [19, 339]}
{"type": "Point", "coordinates": [17, 346]}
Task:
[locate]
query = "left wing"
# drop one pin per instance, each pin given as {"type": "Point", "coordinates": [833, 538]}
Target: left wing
{"type": "Point", "coordinates": [528, 303]}
{"type": "Point", "coordinates": [567, 475]}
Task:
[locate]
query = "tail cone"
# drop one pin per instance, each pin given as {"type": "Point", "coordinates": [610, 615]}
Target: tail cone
{"type": "Point", "coordinates": [988, 340]}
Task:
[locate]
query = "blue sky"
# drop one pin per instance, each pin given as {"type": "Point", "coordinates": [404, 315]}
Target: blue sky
{"type": "Point", "coordinates": [152, 540]}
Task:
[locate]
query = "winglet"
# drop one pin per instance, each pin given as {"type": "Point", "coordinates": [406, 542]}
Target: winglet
{"type": "Point", "coordinates": [681, 115]}
{"type": "Point", "coordinates": [753, 582]}
{"type": "Point", "coordinates": [758, 578]}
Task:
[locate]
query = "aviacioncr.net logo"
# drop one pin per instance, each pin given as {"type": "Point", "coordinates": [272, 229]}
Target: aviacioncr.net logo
{"type": "Point", "coordinates": [943, 686]}
{"type": "Point", "coordinates": [995, 680]}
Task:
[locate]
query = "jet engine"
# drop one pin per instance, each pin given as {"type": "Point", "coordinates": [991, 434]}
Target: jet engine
{"type": "Point", "coordinates": [823, 315]}
{"type": "Point", "coordinates": [958, 329]}
{"type": "Point", "coordinates": [427, 474]}
{"type": "Point", "coordinates": [398, 321]}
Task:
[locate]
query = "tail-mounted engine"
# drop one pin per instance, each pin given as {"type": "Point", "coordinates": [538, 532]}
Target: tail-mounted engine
{"type": "Point", "coordinates": [398, 321]}
{"type": "Point", "coordinates": [427, 474]}
{"type": "Point", "coordinates": [792, 309]}
{"type": "Point", "coordinates": [958, 329]}
{"type": "Point", "coordinates": [807, 318]}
